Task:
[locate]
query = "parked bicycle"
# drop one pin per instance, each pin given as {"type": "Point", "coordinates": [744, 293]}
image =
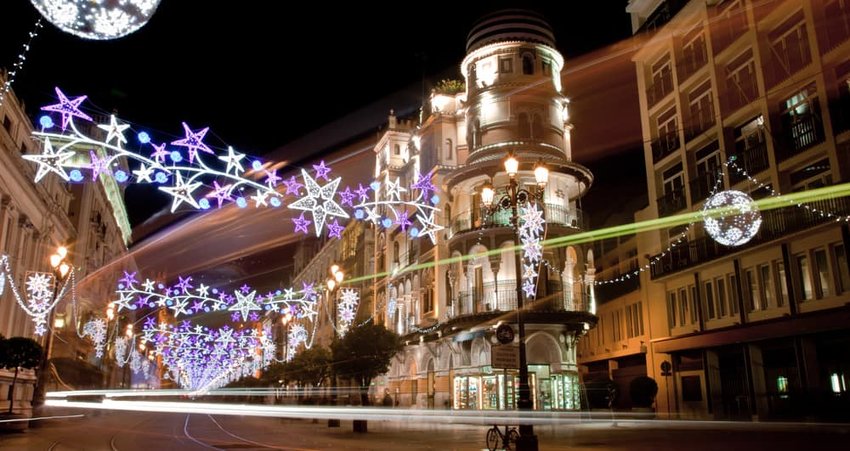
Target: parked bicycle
{"type": "Point", "coordinates": [508, 438]}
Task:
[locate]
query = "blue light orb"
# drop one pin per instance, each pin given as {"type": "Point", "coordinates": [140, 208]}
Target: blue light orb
{"type": "Point", "coordinates": [46, 121]}
{"type": "Point", "coordinates": [375, 186]}
{"type": "Point", "coordinates": [160, 286]}
{"type": "Point", "coordinates": [144, 137]}
{"type": "Point", "coordinates": [206, 309]}
{"type": "Point", "coordinates": [76, 175]}
{"type": "Point", "coordinates": [204, 204]}
{"type": "Point", "coordinates": [121, 176]}
{"type": "Point", "coordinates": [161, 177]}
{"type": "Point", "coordinates": [435, 199]}
{"type": "Point", "coordinates": [120, 286]}
{"type": "Point", "coordinates": [215, 290]}
{"type": "Point", "coordinates": [275, 202]}
{"type": "Point", "coordinates": [358, 214]}
{"type": "Point", "coordinates": [256, 165]}
{"type": "Point", "coordinates": [278, 293]}
{"type": "Point", "coordinates": [387, 223]}
{"type": "Point", "coordinates": [241, 202]}
{"type": "Point", "coordinates": [168, 302]}
{"type": "Point", "coordinates": [175, 156]}
{"type": "Point", "coordinates": [414, 232]}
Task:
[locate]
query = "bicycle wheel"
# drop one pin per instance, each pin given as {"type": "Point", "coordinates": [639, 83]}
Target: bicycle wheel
{"type": "Point", "coordinates": [492, 439]}
{"type": "Point", "coordinates": [513, 437]}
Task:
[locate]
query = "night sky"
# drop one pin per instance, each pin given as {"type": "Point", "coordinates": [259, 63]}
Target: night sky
{"type": "Point", "coordinates": [261, 75]}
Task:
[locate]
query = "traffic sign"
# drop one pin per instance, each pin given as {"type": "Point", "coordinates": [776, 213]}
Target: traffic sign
{"type": "Point", "coordinates": [505, 334]}
{"type": "Point", "coordinates": [504, 357]}
{"type": "Point", "coordinates": [665, 368]}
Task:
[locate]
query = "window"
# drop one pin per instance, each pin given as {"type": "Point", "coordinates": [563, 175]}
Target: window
{"type": "Point", "coordinates": [547, 67]}
{"type": "Point", "coordinates": [837, 13]}
{"type": "Point", "coordinates": [693, 52]}
{"type": "Point", "coordinates": [523, 125]}
{"type": "Point", "coordinates": [815, 175]}
{"type": "Point", "coordinates": [841, 268]}
{"type": "Point", "coordinates": [720, 291]}
{"type": "Point", "coordinates": [767, 288]}
{"type": "Point", "coordinates": [506, 65]}
{"type": "Point", "coordinates": [673, 181]}
{"type": "Point", "coordinates": [708, 168]}
{"type": "Point", "coordinates": [397, 149]}
{"type": "Point", "coordinates": [7, 124]}
{"type": "Point", "coordinates": [741, 84]}
{"type": "Point", "coordinates": [789, 47]}
{"type": "Point", "coordinates": [683, 306]}
{"type": "Point", "coordinates": [800, 127]}
{"type": "Point", "coordinates": [671, 309]}
{"type": "Point", "coordinates": [693, 304]}
{"type": "Point", "coordinates": [822, 271]}
{"type": "Point", "coordinates": [701, 109]}
{"type": "Point", "coordinates": [395, 253]}
{"type": "Point", "coordinates": [754, 298]}
{"type": "Point", "coordinates": [783, 285]}
{"type": "Point", "coordinates": [527, 64]}
{"type": "Point", "coordinates": [449, 149]}
{"type": "Point", "coordinates": [733, 294]}
{"type": "Point", "coordinates": [662, 80]}
{"type": "Point", "coordinates": [709, 301]}
{"type": "Point", "coordinates": [667, 124]}
{"type": "Point", "coordinates": [803, 277]}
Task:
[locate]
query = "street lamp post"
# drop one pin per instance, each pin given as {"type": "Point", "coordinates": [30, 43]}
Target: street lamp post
{"type": "Point", "coordinates": [527, 439]}
{"type": "Point", "coordinates": [285, 320]}
{"type": "Point", "coordinates": [333, 283]}
{"type": "Point", "coordinates": [60, 271]}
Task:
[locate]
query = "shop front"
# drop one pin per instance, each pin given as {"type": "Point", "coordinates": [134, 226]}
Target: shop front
{"type": "Point", "coordinates": [491, 389]}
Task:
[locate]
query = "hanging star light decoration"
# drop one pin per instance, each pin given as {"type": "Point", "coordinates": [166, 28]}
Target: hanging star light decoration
{"type": "Point", "coordinates": [347, 309]}
{"type": "Point", "coordinates": [731, 218]}
{"type": "Point", "coordinates": [319, 200]}
{"type": "Point", "coordinates": [69, 152]}
{"type": "Point", "coordinates": [531, 227]}
{"type": "Point", "coordinates": [40, 294]}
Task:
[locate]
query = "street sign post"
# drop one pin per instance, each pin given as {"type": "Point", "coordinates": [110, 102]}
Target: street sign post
{"type": "Point", "coordinates": [505, 334]}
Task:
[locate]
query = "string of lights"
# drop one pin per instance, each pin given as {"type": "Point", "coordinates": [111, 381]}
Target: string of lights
{"type": "Point", "coordinates": [18, 66]}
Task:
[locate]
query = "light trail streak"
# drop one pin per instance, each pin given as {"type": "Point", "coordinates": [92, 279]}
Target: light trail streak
{"type": "Point", "coordinates": [769, 203]}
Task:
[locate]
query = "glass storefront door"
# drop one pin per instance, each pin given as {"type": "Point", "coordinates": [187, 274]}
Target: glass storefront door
{"type": "Point", "coordinates": [466, 392]}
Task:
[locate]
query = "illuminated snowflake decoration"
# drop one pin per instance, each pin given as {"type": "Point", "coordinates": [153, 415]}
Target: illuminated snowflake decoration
{"type": "Point", "coordinates": [39, 296]}
{"type": "Point", "coordinates": [96, 330]}
{"type": "Point", "coordinates": [319, 200]}
{"type": "Point", "coordinates": [99, 19]}
{"type": "Point", "coordinates": [202, 358]}
{"type": "Point", "coordinates": [731, 218]}
{"type": "Point", "coordinates": [120, 351]}
{"type": "Point", "coordinates": [347, 309]}
{"type": "Point", "coordinates": [297, 336]}
{"type": "Point", "coordinates": [531, 227]}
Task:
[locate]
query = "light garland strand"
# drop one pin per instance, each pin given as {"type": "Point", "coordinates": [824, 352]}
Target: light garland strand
{"type": "Point", "coordinates": [41, 295]}
{"type": "Point", "coordinates": [19, 64]}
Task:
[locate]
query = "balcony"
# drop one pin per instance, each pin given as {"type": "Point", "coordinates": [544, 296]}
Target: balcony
{"type": "Point", "coordinates": [554, 214]}
{"type": "Point", "coordinates": [693, 59]}
{"type": "Point", "coordinates": [664, 145]}
{"type": "Point", "coordinates": [738, 96]}
{"type": "Point", "coordinates": [487, 299]}
{"type": "Point", "coordinates": [836, 29]}
{"type": "Point", "coordinates": [753, 160]}
{"type": "Point", "coordinates": [659, 90]}
{"type": "Point", "coordinates": [804, 132]}
{"type": "Point", "coordinates": [787, 62]}
{"type": "Point", "coordinates": [672, 202]}
{"type": "Point", "coordinates": [839, 109]}
{"type": "Point", "coordinates": [777, 223]}
{"type": "Point", "coordinates": [702, 186]}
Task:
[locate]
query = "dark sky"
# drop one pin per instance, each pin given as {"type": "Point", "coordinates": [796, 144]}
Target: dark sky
{"type": "Point", "coordinates": [261, 74]}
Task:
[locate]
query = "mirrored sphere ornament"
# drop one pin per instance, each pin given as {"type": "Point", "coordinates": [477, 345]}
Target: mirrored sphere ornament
{"type": "Point", "coordinates": [97, 19]}
{"type": "Point", "coordinates": [731, 218]}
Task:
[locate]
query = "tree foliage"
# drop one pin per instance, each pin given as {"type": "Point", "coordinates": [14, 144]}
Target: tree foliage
{"type": "Point", "coordinates": [365, 352]}
{"type": "Point", "coordinates": [20, 352]}
{"type": "Point", "coordinates": [450, 87]}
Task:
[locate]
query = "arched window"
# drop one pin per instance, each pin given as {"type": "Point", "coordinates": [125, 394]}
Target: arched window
{"type": "Point", "coordinates": [397, 149]}
{"type": "Point", "coordinates": [536, 127]}
{"type": "Point", "coordinates": [448, 215]}
{"type": "Point", "coordinates": [450, 151]}
{"type": "Point", "coordinates": [523, 125]}
{"type": "Point", "coordinates": [475, 133]}
{"type": "Point", "coordinates": [395, 252]}
{"type": "Point", "coordinates": [527, 64]}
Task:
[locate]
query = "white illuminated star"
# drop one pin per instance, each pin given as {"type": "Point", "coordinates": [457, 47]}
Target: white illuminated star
{"type": "Point", "coordinates": [114, 130]}
{"type": "Point", "coordinates": [181, 192]}
{"type": "Point", "coordinates": [203, 290]}
{"type": "Point", "coordinates": [233, 161]}
{"type": "Point", "coordinates": [394, 190]}
{"type": "Point", "coordinates": [148, 285]}
{"type": "Point", "coordinates": [429, 226]}
{"type": "Point", "coordinates": [244, 304]}
{"type": "Point", "coordinates": [124, 301]}
{"type": "Point", "coordinates": [260, 198]}
{"type": "Point", "coordinates": [319, 201]}
{"type": "Point", "coordinates": [49, 161]}
{"type": "Point", "coordinates": [143, 174]}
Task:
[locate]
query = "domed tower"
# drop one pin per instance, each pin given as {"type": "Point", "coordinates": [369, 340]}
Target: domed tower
{"type": "Point", "coordinates": [514, 106]}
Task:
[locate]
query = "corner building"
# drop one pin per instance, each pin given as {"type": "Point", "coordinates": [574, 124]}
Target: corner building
{"type": "Point", "coordinates": [447, 311]}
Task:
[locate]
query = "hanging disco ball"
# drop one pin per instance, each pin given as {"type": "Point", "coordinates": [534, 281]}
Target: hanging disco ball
{"type": "Point", "coordinates": [731, 218]}
{"type": "Point", "coordinates": [97, 19]}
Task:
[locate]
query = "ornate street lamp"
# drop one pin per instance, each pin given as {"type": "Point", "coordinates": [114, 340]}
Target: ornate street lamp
{"type": "Point", "coordinates": [513, 199]}
{"type": "Point", "coordinates": [61, 269]}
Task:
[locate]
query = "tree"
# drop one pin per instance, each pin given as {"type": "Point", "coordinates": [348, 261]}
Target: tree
{"type": "Point", "coordinates": [310, 366]}
{"type": "Point", "coordinates": [642, 390]}
{"type": "Point", "coordinates": [601, 393]}
{"type": "Point", "coordinates": [362, 354]}
{"type": "Point", "coordinates": [17, 353]}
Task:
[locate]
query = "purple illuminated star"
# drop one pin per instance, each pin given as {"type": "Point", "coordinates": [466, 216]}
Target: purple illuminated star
{"type": "Point", "coordinates": [184, 285]}
{"type": "Point", "coordinates": [403, 221]}
{"type": "Point", "coordinates": [142, 302]}
{"type": "Point", "coordinates": [362, 192]}
{"type": "Point", "coordinates": [194, 141]}
{"type": "Point", "coordinates": [301, 224]}
{"type": "Point", "coordinates": [424, 184]}
{"type": "Point", "coordinates": [293, 310]}
{"type": "Point", "coordinates": [150, 322]}
{"type": "Point", "coordinates": [245, 288]}
{"type": "Point", "coordinates": [221, 193]}
{"type": "Point", "coordinates": [347, 196]}
{"type": "Point", "coordinates": [254, 316]}
{"type": "Point", "coordinates": [159, 153]}
{"type": "Point", "coordinates": [235, 317]}
{"type": "Point", "coordinates": [292, 186]}
{"type": "Point", "coordinates": [198, 306]}
{"type": "Point", "coordinates": [272, 178]}
{"type": "Point", "coordinates": [335, 230]}
{"type": "Point", "coordinates": [308, 289]}
{"type": "Point", "coordinates": [98, 165]}
{"type": "Point", "coordinates": [129, 279]}
{"type": "Point", "coordinates": [322, 171]}
{"type": "Point", "coordinates": [67, 108]}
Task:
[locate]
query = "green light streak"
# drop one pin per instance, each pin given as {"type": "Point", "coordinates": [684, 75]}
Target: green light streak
{"type": "Point", "coordinates": [769, 203]}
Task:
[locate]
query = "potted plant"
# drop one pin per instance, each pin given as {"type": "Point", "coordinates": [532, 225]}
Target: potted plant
{"type": "Point", "coordinates": [18, 353]}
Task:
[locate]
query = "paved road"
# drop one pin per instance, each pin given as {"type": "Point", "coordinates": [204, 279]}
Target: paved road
{"type": "Point", "coordinates": [103, 430]}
